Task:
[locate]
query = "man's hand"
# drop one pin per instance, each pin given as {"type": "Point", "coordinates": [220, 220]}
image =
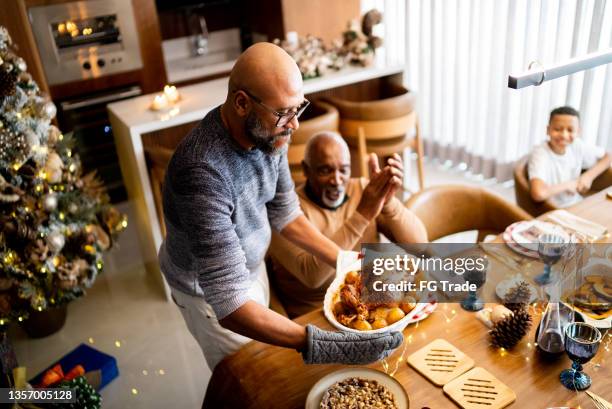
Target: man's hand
{"type": "Point", "coordinates": [326, 347]}
{"type": "Point", "coordinates": [584, 183]}
{"type": "Point", "coordinates": [382, 186]}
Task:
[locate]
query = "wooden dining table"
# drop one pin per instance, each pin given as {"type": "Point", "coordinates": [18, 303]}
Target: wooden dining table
{"type": "Point", "coordinates": [264, 376]}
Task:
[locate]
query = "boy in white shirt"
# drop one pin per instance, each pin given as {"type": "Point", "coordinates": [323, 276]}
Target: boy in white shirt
{"type": "Point", "coordinates": [555, 166]}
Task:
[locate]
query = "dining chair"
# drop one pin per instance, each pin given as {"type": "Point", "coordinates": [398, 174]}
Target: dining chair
{"type": "Point", "coordinates": [157, 158]}
{"type": "Point", "coordinates": [450, 209]}
{"type": "Point", "coordinates": [386, 125]}
{"type": "Point", "coordinates": [523, 195]}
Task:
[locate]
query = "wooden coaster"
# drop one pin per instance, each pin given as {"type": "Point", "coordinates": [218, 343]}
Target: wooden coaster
{"type": "Point", "coordinates": [440, 362]}
{"type": "Point", "coordinates": [479, 389]}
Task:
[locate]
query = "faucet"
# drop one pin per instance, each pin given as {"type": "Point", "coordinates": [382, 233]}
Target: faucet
{"type": "Point", "coordinates": [200, 40]}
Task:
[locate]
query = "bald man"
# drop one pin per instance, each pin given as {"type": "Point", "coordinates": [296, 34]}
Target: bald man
{"type": "Point", "coordinates": [349, 211]}
{"type": "Point", "coordinates": [227, 185]}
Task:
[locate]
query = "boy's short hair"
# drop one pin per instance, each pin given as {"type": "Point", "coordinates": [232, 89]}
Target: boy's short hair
{"type": "Point", "coordinates": [565, 110]}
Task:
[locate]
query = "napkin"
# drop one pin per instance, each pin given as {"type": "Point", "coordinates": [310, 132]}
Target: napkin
{"type": "Point", "coordinates": [590, 229]}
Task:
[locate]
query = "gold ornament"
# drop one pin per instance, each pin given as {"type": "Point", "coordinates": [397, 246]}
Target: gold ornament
{"type": "Point", "coordinates": [53, 168]}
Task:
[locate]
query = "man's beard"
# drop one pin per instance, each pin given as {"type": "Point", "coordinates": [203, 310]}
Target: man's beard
{"type": "Point", "coordinates": [332, 203]}
{"type": "Point", "coordinates": [261, 138]}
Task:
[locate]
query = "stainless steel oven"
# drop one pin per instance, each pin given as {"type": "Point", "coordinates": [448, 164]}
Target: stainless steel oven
{"type": "Point", "coordinates": [88, 120]}
{"type": "Point", "coordinates": [85, 39]}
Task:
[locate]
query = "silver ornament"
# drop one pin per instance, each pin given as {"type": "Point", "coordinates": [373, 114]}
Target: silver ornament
{"type": "Point", "coordinates": [72, 208]}
{"type": "Point", "coordinates": [21, 64]}
{"type": "Point", "coordinates": [56, 241]}
{"type": "Point", "coordinates": [48, 110]}
{"type": "Point", "coordinates": [50, 202]}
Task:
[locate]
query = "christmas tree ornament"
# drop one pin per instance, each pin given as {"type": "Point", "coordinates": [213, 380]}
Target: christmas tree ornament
{"type": "Point", "coordinates": [100, 238]}
{"type": "Point", "coordinates": [53, 135]}
{"type": "Point", "coordinates": [9, 193]}
{"type": "Point", "coordinates": [53, 168]}
{"type": "Point", "coordinates": [13, 147]}
{"type": "Point", "coordinates": [509, 331]}
{"type": "Point", "coordinates": [46, 109]}
{"type": "Point", "coordinates": [38, 251]}
{"type": "Point", "coordinates": [8, 80]}
{"type": "Point", "coordinates": [50, 202]}
{"type": "Point", "coordinates": [56, 241]}
{"type": "Point", "coordinates": [20, 64]}
{"type": "Point", "coordinates": [518, 296]}
{"type": "Point", "coordinates": [73, 208]}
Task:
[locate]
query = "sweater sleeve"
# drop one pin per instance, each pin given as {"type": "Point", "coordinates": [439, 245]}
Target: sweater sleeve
{"type": "Point", "coordinates": [284, 207]}
{"type": "Point", "coordinates": [204, 200]}
{"type": "Point", "coordinates": [399, 224]}
{"type": "Point", "coordinates": [308, 269]}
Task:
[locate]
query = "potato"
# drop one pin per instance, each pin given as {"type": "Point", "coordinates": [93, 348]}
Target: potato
{"type": "Point", "coordinates": [351, 277]}
{"type": "Point", "coordinates": [379, 313]}
{"type": "Point", "coordinates": [394, 315]}
{"type": "Point", "coordinates": [362, 325]}
{"type": "Point", "coordinates": [408, 305]}
{"type": "Point", "coordinates": [379, 323]}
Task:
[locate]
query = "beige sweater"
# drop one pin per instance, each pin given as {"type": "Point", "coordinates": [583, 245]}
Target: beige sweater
{"type": "Point", "coordinates": [302, 279]}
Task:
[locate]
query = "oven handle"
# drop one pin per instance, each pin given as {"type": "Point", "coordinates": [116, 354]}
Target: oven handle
{"type": "Point", "coordinates": [82, 103]}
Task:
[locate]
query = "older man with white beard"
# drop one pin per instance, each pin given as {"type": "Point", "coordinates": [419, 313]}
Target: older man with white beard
{"type": "Point", "coordinates": [349, 211]}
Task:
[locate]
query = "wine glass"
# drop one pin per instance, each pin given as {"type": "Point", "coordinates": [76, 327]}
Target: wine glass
{"type": "Point", "coordinates": [581, 344]}
{"type": "Point", "coordinates": [550, 249]}
{"type": "Point", "coordinates": [478, 277]}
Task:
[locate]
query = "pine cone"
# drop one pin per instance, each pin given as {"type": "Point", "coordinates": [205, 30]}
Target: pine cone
{"type": "Point", "coordinates": [518, 296]}
{"type": "Point", "coordinates": [509, 331]}
{"type": "Point", "coordinates": [8, 82]}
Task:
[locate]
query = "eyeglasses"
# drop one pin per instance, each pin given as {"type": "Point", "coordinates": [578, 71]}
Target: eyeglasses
{"type": "Point", "coordinates": [283, 117]}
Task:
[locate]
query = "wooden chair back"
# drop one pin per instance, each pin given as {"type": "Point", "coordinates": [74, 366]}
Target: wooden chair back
{"type": "Point", "coordinates": [450, 209]}
{"type": "Point", "coordinates": [384, 137]}
{"type": "Point", "coordinates": [158, 158]}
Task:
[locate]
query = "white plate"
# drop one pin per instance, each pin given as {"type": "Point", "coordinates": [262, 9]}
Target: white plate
{"type": "Point", "coordinates": [313, 401]}
{"type": "Point", "coordinates": [348, 262]}
{"type": "Point", "coordinates": [521, 236]}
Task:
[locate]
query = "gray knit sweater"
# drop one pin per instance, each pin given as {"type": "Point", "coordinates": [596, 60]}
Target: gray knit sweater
{"type": "Point", "coordinates": [219, 203]}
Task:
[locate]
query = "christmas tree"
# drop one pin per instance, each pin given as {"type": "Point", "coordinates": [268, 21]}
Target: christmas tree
{"type": "Point", "coordinates": [55, 222]}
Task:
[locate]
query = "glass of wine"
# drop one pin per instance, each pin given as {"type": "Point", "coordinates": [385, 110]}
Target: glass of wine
{"type": "Point", "coordinates": [477, 277]}
{"type": "Point", "coordinates": [581, 344]}
{"type": "Point", "coordinates": [550, 249]}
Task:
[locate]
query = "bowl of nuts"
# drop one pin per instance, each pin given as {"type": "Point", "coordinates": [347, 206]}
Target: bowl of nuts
{"type": "Point", "coordinates": [357, 388]}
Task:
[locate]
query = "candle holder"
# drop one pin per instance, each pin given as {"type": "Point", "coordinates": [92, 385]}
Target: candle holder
{"type": "Point", "coordinates": [166, 100]}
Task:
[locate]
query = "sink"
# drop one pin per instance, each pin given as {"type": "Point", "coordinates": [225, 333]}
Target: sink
{"type": "Point", "coordinates": [201, 61]}
{"type": "Point", "coordinates": [184, 69]}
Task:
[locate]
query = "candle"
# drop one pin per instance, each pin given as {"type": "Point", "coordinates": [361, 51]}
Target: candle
{"type": "Point", "coordinates": [159, 102]}
{"type": "Point", "coordinates": [171, 93]}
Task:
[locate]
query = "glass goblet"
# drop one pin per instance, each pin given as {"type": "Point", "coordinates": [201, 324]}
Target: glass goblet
{"type": "Point", "coordinates": [477, 277]}
{"type": "Point", "coordinates": [581, 344]}
{"type": "Point", "coordinates": [550, 249]}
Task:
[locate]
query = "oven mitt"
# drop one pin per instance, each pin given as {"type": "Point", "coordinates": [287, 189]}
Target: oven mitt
{"type": "Point", "coordinates": [326, 347]}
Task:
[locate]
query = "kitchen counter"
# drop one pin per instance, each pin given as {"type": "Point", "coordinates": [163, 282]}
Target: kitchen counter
{"type": "Point", "coordinates": [132, 118]}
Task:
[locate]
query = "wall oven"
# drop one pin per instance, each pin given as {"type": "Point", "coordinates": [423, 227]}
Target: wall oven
{"type": "Point", "coordinates": [85, 39]}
